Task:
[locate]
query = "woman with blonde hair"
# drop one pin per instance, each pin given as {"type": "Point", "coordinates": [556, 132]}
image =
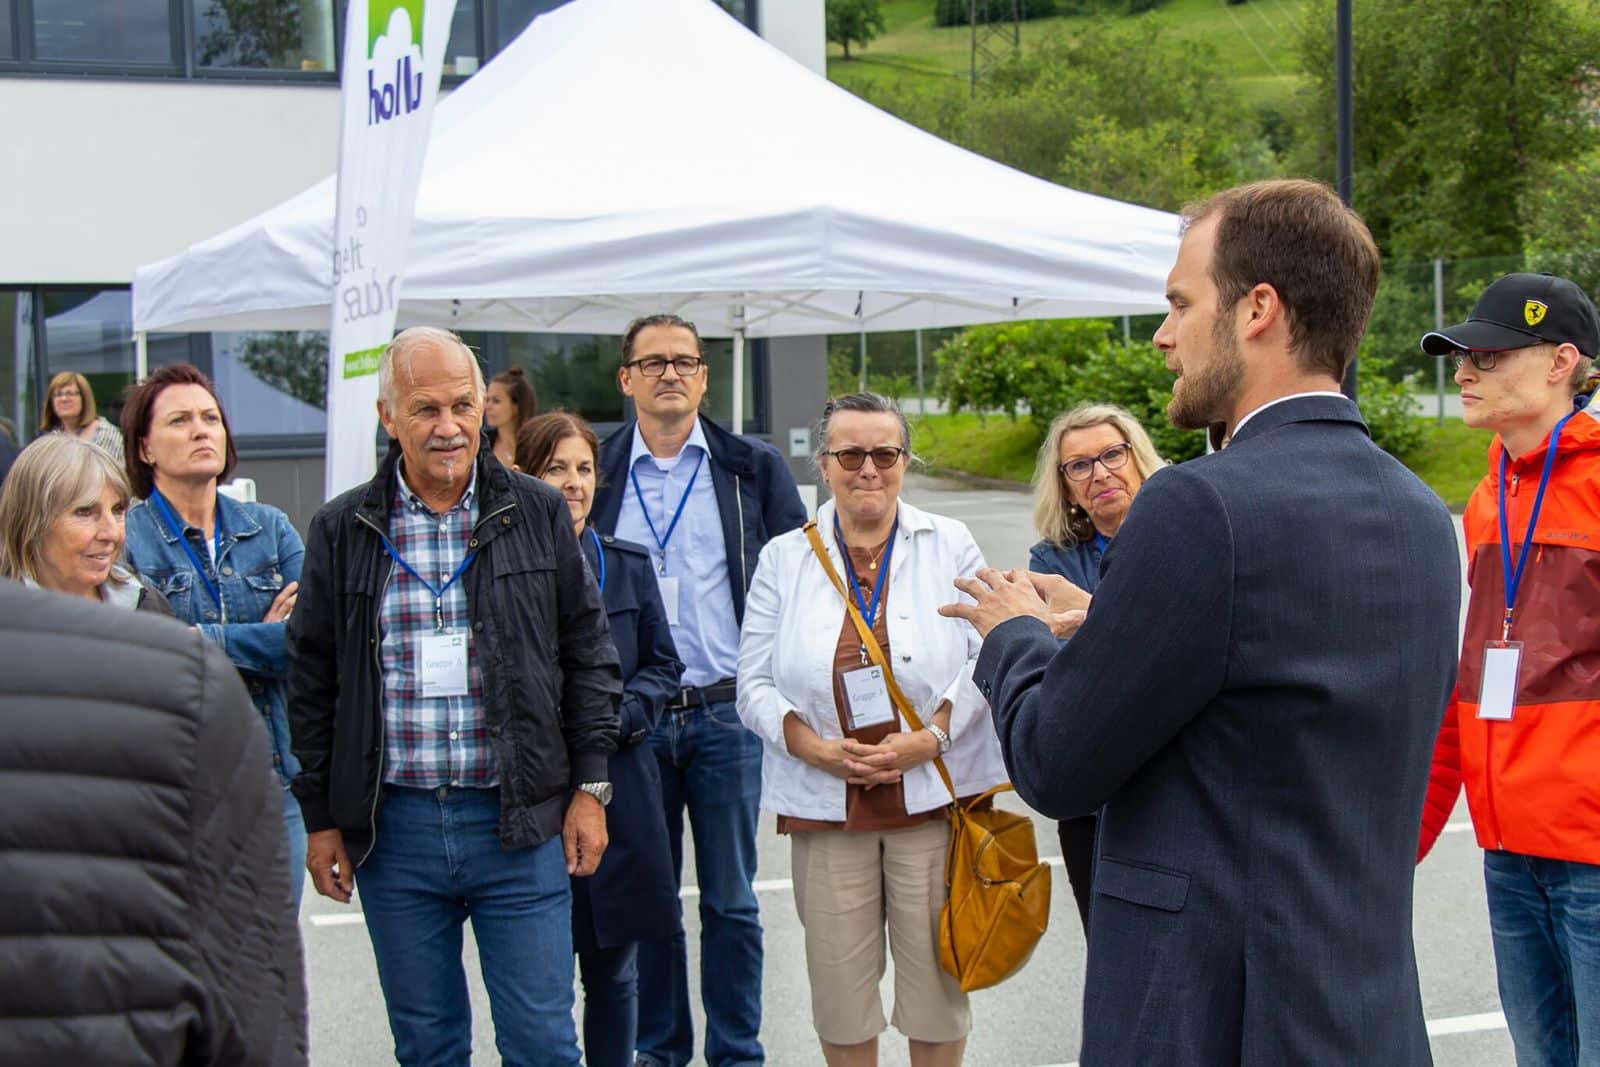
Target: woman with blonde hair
{"type": "Point", "coordinates": [62, 514]}
{"type": "Point", "coordinates": [1092, 463]}
{"type": "Point", "coordinates": [69, 408]}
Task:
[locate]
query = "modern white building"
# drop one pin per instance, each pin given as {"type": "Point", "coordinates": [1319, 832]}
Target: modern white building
{"type": "Point", "coordinates": [138, 127]}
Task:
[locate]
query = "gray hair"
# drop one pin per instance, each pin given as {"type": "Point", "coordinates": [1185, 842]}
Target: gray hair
{"type": "Point", "coordinates": [55, 474]}
{"type": "Point", "coordinates": [415, 339]}
{"type": "Point", "coordinates": [867, 404]}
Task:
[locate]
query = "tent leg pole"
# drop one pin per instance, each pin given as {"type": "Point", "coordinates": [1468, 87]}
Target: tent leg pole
{"type": "Point", "coordinates": [738, 380]}
{"type": "Point", "coordinates": [141, 357]}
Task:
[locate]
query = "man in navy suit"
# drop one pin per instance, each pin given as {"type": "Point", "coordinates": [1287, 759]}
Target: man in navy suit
{"type": "Point", "coordinates": [1254, 693]}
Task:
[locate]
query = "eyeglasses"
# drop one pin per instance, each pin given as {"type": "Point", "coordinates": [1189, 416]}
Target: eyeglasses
{"type": "Point", "coordinates": [851, 459]}
{"type": "Point", "coordinates": [656, 366]}
{"type": "Point", "coordinates": [1080, 470]}
{"type": "Point", "coordinates": [1480, 360]}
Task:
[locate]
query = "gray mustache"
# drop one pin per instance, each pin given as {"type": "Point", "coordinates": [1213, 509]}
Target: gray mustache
{"type": "Point", "coordinates": [444, 444]}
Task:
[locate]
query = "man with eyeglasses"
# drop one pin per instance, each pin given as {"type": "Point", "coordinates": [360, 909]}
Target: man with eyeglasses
{"type": "Point", "coordinates": [704, 502]}
{"type": "Point", "coordinates": [1523, 729]}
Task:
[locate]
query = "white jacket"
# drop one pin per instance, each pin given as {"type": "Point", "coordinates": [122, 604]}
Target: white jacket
{"type": "Point", "coordinates": [791, 627]}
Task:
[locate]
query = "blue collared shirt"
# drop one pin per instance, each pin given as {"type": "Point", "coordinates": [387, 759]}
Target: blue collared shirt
{"type": "Point", "coordinates": [430, 741]}
{"type": "Point", "coordinates": [706, 633]}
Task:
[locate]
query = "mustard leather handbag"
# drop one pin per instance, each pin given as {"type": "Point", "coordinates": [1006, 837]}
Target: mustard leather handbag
{"type": "Point", "coordinates": [997, 893]}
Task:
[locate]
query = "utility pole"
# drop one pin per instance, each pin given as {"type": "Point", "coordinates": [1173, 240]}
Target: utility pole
{"type": "Point", "coordinates": [1346, 136]}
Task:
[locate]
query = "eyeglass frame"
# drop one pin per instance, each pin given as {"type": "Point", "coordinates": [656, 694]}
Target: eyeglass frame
{"type": "Point", "coordinates": [865, 453]}
{"type": "Point", "coordinates": [698, 361]}
{"type": "Point", "coordinates": [1127, 453]}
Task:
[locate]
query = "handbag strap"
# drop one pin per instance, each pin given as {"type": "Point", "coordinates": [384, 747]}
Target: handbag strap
{"type": "Point", "coordinates": [869, 641]}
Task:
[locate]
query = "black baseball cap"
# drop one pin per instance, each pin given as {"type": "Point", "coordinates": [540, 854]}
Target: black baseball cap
{"type": "Point", "coordinates": [1521, 310]}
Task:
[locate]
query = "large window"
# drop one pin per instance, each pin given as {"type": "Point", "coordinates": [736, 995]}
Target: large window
{"type": "Point", "coordinates": [264, 34]}
{"type": "Point", "coordinates": [134, 32]}
{"type": "Point", "coordinates": [90, 331]}
{"type": "Point", "coordinates": [19, 388]}
{"type": "Point", "coordinates": [275, 39]}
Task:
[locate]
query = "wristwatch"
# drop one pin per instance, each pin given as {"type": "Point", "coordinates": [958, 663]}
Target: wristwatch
{"type": "Point", "coordinates": [601, 791]}
{"type": "Point", "coordinates": [940, 736]}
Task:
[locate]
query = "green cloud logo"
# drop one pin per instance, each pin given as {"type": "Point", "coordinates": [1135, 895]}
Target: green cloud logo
{"type": "Point", "coordinates": [379, 12]}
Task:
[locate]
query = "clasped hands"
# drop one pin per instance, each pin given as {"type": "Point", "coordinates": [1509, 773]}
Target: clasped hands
{"type": "Point", "coordinates": [1005, 595]}
{"type": "Point", "coordinates": [858, 763]}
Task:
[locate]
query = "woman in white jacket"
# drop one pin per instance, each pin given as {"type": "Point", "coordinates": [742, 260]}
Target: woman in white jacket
{"type": "Point", "coordinates": [854, 787]}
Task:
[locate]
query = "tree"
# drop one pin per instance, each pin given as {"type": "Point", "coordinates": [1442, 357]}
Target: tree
{"type": "Point", "coordinates": [250, 33]}
{"type": "Point", "coordinates": [292, 363]}
{"type": "Point", "coordinates": [1461, 108]}
{"type": "Point", "coordinates": [854, 20]}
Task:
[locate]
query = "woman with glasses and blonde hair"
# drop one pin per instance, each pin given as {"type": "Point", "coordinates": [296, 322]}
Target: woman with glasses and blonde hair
{"type": "Point", "coordinates": [854, 786]}
{"type": "Point", "coordinates": [69, 408]}
{"type": "Point", "coordinates": [63, 512]}
{"type": "Point", "coordinates": [1091, 465]}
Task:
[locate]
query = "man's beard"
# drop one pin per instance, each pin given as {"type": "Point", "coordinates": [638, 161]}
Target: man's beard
{"type": "Point", "coordinates": [1208, 394]}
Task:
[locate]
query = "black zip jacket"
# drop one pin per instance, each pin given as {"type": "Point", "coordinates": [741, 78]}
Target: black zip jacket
{"type": "Point", "coordinates": [756, 496]}
{"type": "Point", "coordinates": [550, 678]}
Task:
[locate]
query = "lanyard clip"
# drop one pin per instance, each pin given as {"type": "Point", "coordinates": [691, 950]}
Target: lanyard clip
{"type": "Point", "coordinates": [1505, 629]}
{"type": "Point", "coordinates": [438, 614]}
{"type": "Point", "coordinates": [865, 659]}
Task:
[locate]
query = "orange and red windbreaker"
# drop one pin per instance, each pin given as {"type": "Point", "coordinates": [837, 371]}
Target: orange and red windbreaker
{"type": "Point", "coordinates": [1533, 783]}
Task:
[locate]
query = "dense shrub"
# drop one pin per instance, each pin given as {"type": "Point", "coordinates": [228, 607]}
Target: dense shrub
{"type": "Point", "coordinates": [959, 12]}
{"type": "Point", "coordinates": [1002, 366]}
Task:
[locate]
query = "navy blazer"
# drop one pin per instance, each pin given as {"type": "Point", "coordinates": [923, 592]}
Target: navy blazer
{"type": "Point", "coordinates": [633, 896]}
{"type": "Point", "coordinates": [756, 496]}
{"type": "Point", "coordinates": [1254, 698]}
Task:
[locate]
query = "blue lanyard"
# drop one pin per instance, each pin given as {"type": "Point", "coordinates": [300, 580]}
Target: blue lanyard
{"type": "Point", "coordinates": [661, 542]}
{"type": "Point", "coordinates": [1514, 577]}
{"type": "Point", "coordinates": [870, 615]}
{"type": "Point", "coordinates": [600, 557]}
{"type": "Point", "coordinates": [438, 594]}
{"type": "Point", "coordinates": [1100, 542]}
{"type": "Point", "coordinates": [176, 527]}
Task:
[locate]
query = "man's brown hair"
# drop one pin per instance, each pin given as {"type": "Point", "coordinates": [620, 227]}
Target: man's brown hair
{"type": "Point", "coordinates": [1298, 237]}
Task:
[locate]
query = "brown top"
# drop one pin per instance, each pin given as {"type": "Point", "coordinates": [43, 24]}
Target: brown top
{"type": "Point", "coordinates": [882, 807]}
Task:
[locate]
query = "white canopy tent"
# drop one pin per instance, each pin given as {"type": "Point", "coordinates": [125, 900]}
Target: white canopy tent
{"type": "Point", "coordinates": [624, 157]}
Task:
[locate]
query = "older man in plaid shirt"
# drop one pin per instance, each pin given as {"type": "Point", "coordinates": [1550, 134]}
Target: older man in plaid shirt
{"type": "Point", "coordinates": [453, 698]}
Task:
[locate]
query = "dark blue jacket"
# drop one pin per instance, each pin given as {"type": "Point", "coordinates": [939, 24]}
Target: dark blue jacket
{"type": "Point", "coordinates": [634, 894]}
{"type": "Point", "coordinates": [1254, 698]}
{"type": "Point", "coordinates": [756, 496]}
{"type": "Point", "coordinates": [1078, 563]}
{"type": "Point", "coordinates": [259, 553]}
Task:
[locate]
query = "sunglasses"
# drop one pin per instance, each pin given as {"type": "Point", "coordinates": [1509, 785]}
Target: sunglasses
{"type": "Point", "coordinates": [1079, 470]}
{"type": "Point", "coordinates": [851, 459]}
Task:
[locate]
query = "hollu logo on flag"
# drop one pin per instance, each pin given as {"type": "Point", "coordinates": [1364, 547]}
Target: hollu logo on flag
{"type": "Point", "coordinates": [391, 78]}
{"type": "Point", "coordinates": [395, 25]}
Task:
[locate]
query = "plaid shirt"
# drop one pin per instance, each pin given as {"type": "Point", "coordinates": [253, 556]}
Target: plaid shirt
{"type": "Point", "coordinates": [430, 741]}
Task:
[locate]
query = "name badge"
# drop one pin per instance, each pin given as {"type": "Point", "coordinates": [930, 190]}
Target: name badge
{"type": "Point", "coordinates": [867, 695]}
{"type": "Point", "coordinates": [1498, 698]}
{"type": "Point", "coordinates": [669, 597]}
{"type": "Point", "coordinates": [444, 665]}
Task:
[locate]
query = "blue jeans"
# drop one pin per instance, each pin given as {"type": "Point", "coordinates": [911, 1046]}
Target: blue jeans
{"type": "Point", "coordinates": [437, 861]}
{"type": "Point", "coordinates": [610, 1005]}
{"type": "Point", "coordinates": [712, 765]}
{"type": "Point", "coordinates": [1545, 917]}
{"type": "Point", "coordinates": [295, 824]}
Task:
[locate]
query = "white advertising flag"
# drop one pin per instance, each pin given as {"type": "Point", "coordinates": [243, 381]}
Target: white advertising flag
{"type": "Point", "coordinates": [393, 55]}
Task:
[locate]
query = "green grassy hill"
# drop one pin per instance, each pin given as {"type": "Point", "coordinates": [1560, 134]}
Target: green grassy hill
{"type": "Point", "coordinates": [1255, 40]}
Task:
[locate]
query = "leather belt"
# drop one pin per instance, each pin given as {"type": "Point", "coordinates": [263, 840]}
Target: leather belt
{"type": "Point", "coordinates": [690, 696]}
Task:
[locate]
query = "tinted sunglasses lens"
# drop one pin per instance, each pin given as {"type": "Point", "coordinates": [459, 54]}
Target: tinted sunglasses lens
{"type": "Point", "coordinates": [850, 458]}
{"type": "Point", "coordinates": [884, 458]}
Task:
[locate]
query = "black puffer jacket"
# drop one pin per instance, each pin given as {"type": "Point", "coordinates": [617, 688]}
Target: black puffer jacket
{"type": "Point", "coordinates": [550, 677]}
{"type": "Point", "coordinates": [145, 915]}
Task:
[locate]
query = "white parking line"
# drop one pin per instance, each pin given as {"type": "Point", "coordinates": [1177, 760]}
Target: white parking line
{"type": "Point", "coordinates": [1459, 1024]}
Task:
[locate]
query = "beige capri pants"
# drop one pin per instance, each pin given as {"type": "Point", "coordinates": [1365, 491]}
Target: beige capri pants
{"type": "Point", "coordinates": [847, 886]}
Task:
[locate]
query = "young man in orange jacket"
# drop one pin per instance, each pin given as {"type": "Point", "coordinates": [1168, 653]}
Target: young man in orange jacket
{"type": "Point", "coordinates": [1523, 730]}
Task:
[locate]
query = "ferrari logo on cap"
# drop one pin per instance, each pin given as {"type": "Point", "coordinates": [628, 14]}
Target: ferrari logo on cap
{"type": "Point", "coordinates": [1533, 311]}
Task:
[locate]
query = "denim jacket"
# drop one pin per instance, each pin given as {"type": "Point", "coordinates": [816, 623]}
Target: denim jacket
{"type": "Point", "coordinates": [258, 553]}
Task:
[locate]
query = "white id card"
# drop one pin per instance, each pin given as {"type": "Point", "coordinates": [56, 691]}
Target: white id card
{"type": "Point", "coordinates": [1498, 697]}
{"type": "Point", "coordinates": [443, 671]}
{"type": "Point", "coordinates": [867, 695]}
{"type": "Point", "coordinates": [669, 597]}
